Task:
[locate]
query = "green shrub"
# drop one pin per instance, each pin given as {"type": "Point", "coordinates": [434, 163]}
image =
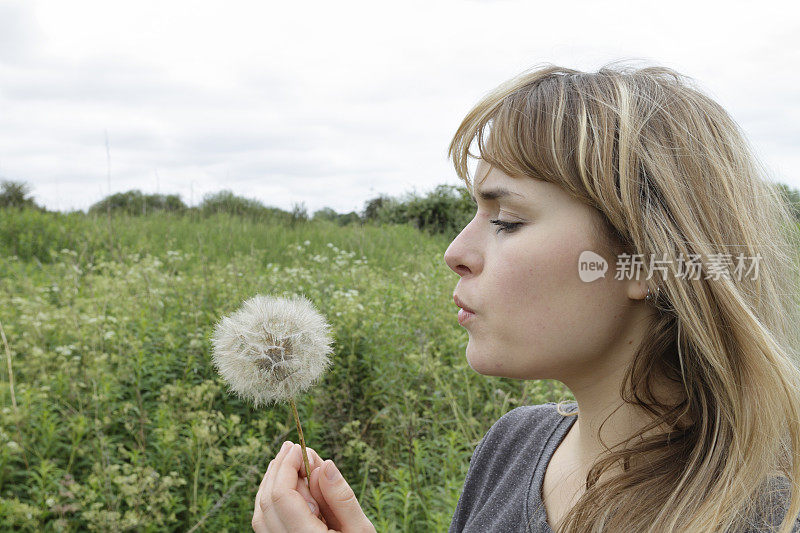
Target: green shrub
{"type": "Point", "coordinates": [14, 194]}
{"type": "Point", "coordinates": [445, 210]}
{"type": "Point", "coordinates": [135, 203]}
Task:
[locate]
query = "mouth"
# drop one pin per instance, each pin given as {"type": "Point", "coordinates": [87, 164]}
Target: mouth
{"type": "Point", "coordinates": [464, 316]}
{"type": "Point", "coordinates": [462, 305]}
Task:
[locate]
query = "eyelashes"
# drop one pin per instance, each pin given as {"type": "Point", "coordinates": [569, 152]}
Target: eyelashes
{"type": "Point", "coordinates": [508, 227]}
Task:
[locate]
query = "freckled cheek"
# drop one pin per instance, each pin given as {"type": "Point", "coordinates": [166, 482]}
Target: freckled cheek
{"type": "Point", "coordinates": [533, 277]}
{"type": "Point", "coordinates": [543, 284]}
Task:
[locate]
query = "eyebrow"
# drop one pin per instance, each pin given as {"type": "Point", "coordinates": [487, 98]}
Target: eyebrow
{"type": "Point", "coordinates": [493, 194]}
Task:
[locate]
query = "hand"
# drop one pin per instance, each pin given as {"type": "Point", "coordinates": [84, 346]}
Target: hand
{"type": "Point", "coordinates": [282, 502]}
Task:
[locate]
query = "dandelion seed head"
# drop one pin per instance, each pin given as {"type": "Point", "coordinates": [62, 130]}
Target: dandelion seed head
{"type": "Point", "coordinates": [272, 348]}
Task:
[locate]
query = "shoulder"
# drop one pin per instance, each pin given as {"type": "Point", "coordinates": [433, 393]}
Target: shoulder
{"type": "Point", "coordinates": [529, 417]}
{"type": "Point", "coordinates": [500, 469]}
{"type": "Point", "coordinates": [522, 427]}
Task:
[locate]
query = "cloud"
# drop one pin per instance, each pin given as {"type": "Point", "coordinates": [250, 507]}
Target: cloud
{"type": "Point", "coordinates": [19, 32]}
{"type": "Point", "coordinates": [331, 104]}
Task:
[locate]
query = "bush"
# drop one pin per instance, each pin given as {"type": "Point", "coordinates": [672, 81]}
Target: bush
{"type": "Point", "coordinates": [15, 194]}
{"type": "Point", "coordinates": [227, 202]}
{"type": "Point", "coordinates": [445, 210]}
{"type": "Point", "coordinates": [349, 218]}
{"type": "Point", "coordinates": [326, 213]}
{"type": "Point", "coordinates": [136, 203]}
{"type": "Point", "coordinates": [298, 214]}
{"type": "Point", "coordinates": [373, 207]}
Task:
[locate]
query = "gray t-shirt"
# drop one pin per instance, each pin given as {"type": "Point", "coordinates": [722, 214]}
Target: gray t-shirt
{"type": "Point", "coordinates": [503, 487]}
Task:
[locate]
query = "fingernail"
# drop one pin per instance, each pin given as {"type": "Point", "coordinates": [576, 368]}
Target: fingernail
{"type": "Point", "coordinates": [312, 507]}
{"type": "Point", "coordinates": [285, 445]}
{"type": "Point", "coordinates": [295, 447]}
{"type": "Point", "coordinates": [331, 472]}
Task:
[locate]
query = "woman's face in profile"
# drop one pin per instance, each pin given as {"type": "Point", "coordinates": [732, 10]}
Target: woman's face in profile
{"type": "Point", "coordinates": [534, 317]}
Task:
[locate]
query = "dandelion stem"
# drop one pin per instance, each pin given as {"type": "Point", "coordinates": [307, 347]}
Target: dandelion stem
{"type": "Point", "coordinates": [305, 455]}
{"type": "Point", "coordinates": [302, 443]}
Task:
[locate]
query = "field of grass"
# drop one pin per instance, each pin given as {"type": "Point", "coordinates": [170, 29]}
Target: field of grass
{"type": "Point", "coordinates": [122, 424]}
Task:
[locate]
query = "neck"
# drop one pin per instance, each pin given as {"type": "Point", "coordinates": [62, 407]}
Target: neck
{"type": "Point", "coordinates": [599, 404]}
{"type": "Point", "coordinates": [587, 440]}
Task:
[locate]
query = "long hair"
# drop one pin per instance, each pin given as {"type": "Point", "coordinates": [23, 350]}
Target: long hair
{"type": "Point", "coordinates": [674, 178]}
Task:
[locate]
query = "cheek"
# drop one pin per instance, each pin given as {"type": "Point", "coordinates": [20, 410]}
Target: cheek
{"type": "Point", "coordinates": [543, 296]}
{"type": "Point", "coordinates": [537, 273]}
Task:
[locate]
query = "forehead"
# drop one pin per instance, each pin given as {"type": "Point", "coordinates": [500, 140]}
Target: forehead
{"type": "Point", "coordinates": [492, 184]}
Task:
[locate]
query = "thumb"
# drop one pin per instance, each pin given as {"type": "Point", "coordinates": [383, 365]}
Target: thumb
{"type": "Point", "coordinates": [342, 500]}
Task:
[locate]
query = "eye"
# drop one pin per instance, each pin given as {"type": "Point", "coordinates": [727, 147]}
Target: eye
{"type": "Point", "coordinates": [509, 227]}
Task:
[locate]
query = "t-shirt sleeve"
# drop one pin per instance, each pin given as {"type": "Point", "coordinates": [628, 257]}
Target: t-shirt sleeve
{"type": "Point", "coordinates": [466, 499]}
{"type": "Point", "coordinates": [486, 460]}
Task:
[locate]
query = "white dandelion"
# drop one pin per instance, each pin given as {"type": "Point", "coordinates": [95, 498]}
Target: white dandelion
{"type": "Point", "coordinates": [271, 349]}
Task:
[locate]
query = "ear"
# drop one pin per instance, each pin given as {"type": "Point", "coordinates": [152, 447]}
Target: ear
{"type": "Point", "coordinates": [637, 287]}
{"type": "Point", "coordinates": [637, 290]}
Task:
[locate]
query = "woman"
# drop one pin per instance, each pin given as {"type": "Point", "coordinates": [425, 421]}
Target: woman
{"type": "Point", "coordinates": [682, 363]}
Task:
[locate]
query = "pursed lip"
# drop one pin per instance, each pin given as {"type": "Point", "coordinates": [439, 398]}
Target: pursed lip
{"type": "Point", "coordinates": [461, 304]}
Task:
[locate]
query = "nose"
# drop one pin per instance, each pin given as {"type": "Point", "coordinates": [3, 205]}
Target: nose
{"type": "Point", "coordinates": [462, 256]}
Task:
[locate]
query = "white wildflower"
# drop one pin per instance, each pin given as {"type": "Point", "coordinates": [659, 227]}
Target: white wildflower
{"type": "Point", "coordinates": [272, 348]}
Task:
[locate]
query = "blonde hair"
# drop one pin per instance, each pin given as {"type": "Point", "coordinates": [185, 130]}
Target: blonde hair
{"type": "Point", "coordinates": [672, 173]}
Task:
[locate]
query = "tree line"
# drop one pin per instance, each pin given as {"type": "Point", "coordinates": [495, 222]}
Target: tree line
{"type": "Point", "coordinates": [445, 210]}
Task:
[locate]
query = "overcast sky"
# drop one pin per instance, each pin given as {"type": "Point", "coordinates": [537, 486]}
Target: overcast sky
{"type": "Point", "coordinates": [333, 103]}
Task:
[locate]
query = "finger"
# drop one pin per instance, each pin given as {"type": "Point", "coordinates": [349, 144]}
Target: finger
{"type": "Point", "coordinates": [302, 484]}
{"type": "Point", "coordinates": [265, 502]}
{"type": "Point", "coordinates": [266, 481]}
{"type": "Point", "coordinates": [288, 504]}
{"type": "Point", "coordinates": [306, 494]}
{"type": "Point", "coordinates": [324, 509]}
{"type": "Point", "coordinates": [315, 496]}
{"type": "Point", "coordinates": [259, 526]}
{"type": "Point", "coordinates": [258, 522]}
{"type": "Point", "coordinates": [286, 446]}
{"type": "Point", "coordinates": [287, 470]}
{"type": "Point", "coordinates": [264, 478]}
{"type": "Point", "coordinates": [341, 498]}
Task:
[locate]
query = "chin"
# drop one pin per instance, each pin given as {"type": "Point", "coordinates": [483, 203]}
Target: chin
{"type": "Point", "coordinates": [484, 364]}
{"type": "Point", "coordinates": [478, 364]}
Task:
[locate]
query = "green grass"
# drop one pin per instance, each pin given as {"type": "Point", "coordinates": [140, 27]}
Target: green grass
{"type": "Point", "coordinates": [123, 424]}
